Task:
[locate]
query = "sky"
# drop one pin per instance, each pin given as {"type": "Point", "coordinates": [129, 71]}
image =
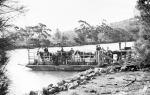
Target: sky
{"type": "Point", "coordinates": [65, 14]}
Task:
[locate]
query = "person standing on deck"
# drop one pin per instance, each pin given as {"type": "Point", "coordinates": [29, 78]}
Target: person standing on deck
{"type": "Point", "coordinates": [40, 56]}
{"type": "Point", "coordinates": [62, 57]}
{"type": "Point", "coordinates": [119, 45]}
{"type": "Point", "coordinates": [99, 55]}
{"type": "Point", "coordinates": [71, 51]}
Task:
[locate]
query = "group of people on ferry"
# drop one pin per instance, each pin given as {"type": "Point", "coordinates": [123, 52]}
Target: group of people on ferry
{"type": "Point", "coordinates": [62, 57]}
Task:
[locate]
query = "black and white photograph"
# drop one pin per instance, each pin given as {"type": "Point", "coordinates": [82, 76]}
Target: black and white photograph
{"type": "Point", "coordinates": [74, 47]}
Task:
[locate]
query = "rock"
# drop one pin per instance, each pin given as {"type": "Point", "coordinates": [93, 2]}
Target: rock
{"type": "Point", "coordinates": [81, 74]}
{"type": "Point", "coordinates": [109, 69]}
{"type": "Point", "coordinates": [56, 89]}
{"type": "Point", "coordinates": [129, 67]}
{"type": "Point", "coordinates": [50, 86]}
{"type": "Point", "coordinates": [63, 88]}
{"type": "Point", "coordinates": [66, 85]}
{"type": "Point", "coordinates": [68, 81]}
{"type": "Point", "coordinates": [93, 91]}
{"type": "Point", "coordinates": [96, 70]}
{"type": "Point", "coordinates": [61, 83]}
{"type": "Point", "coordinates": [85, 73]}
{"type": "Point", "coordinates": [123, 68]}
{"type": "Point", "coordinates": [103, 70]}
{"type": "Point", "coordinates": [76, 78]}
{"type": "Point", "coordinates": [79, 82]}
{"type": "Point", "coordinates": [111, 78]}
{"type": "Point", "coordinates": [83, 82]}
{"type": "Point", "coordinates": [72, 80]}
{"type": "Point", "coordinates": [73, 85]}
{"type": "Point", "coordinates": [91, 75]}
{"type": "Point", "coordinates": [51, 91]}
{"type": "Point", "coordinates": [90, 71]}
{"type": "Point", "coordinates": [45, 91]}
{"type": "Point", "coordinates": [112, 70]}
{"type": "Point", "coordinates": [88, 78]}
{"type": "Point", "coordinates": [33, 93]}
{"type": "Point", "coordinates": [83, 77]}
{"type": "Point", "coordinates": [117, 68]}
{"type": "Point", "coordinates": [109, 93]}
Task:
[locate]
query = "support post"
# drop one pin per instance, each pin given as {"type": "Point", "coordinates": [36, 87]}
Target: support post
{"type": "Point", "coordinates": [28, 56]}
{"type": "Point", "coordinates": [98, 58]}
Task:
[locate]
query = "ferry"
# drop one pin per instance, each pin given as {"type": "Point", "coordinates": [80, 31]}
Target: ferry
{"type": "Point", "coordinates": [61, 60]}
{"type": "Point", "coordinates": [71, 60]}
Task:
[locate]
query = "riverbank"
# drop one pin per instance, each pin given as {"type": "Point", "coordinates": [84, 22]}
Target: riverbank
{"type": "Point", "coordinates": [102, 81]}
{"type": "Point", "coordinates": [123, 83]}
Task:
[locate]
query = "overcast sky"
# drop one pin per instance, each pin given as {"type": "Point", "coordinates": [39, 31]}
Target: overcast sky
{"type": "Point", "coordinates": [64, 14]}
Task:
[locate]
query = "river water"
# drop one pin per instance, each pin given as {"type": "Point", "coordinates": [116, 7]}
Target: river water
{"type": "Point", "coordinates": [23, 79]}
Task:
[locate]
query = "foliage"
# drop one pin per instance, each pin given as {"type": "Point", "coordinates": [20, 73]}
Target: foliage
{"type": "Point", "coordinates": [143, 43]}
{"type": "Point", "coordinates": [39, 35]}
{"type": "Point", "coordinates": [31, 35]}
{"type": "Point", "coordinates": [5, 44]}
{"type": "Point", "coordinates": [130, 25]}
{"type": "Point", "coordinates": [60, 38]}
{"type": "Point", "coordinates": [3, 83]}
{"type": "Point", "coordinates": [57, 35]}
{"type": "Point", "coordinates": [8, 10]}
{"type": "Point", "coordinates": [101, 33]}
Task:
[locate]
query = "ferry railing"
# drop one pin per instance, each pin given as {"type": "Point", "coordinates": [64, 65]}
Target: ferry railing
{"type": "Point", "coordinates": [31, 57]}
{"type": "Point", "coordinates": [47, 57]}
{"type": "Point", "coordinates": [87, 59]}
{"type": "Point", "coordinates": [102, 57]}
{"type": "Point", "coordinates": [83, 58]}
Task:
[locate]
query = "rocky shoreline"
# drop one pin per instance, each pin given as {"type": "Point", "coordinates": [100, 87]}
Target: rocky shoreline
{"type": "Point", "coordinates": [111, 80]}
{"type": "Point", "coordinates": [80, 79]}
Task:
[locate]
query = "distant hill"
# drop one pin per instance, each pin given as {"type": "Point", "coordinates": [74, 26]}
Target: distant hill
{"type": "Point", "coordinates": [130, 25]}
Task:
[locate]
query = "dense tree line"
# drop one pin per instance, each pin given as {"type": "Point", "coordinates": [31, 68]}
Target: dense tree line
{"type": "Point", "coordinates": [40, 35]}
{"type": "Point", "coordinates": [103, 33]}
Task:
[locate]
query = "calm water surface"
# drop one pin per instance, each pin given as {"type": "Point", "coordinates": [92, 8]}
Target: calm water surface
{"type": "Point", "coordinates": [24, 79]}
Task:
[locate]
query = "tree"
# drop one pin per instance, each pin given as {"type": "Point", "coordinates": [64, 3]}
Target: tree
{"type": "Point", "coordinates": [30, 34]}
{"type": "Point", "coordinates": [64, 38]}
{"type": "Point", "coordinates": [57, 35]}
{"type": "Point", "coordinates": [86, 31]}
{"type": "Point", "coordinates": [100, 33]}
{"type": "Point", "coordinates": [60, 38]}
{"type": "Point", "coordinates": [143, 43]}
{"type": "Point", "coordinates": [104, 32]}
{"type": "Point", "coordinates": [120, 35]}
{"type": "Point", "coordinates": [8, 10]}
